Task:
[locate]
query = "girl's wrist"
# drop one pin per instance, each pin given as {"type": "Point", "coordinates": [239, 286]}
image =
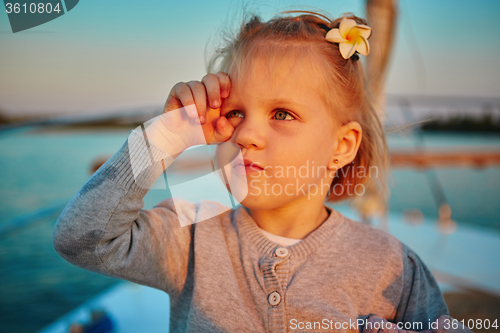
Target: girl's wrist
{"type": "Point", "coordinates": [165, 139]}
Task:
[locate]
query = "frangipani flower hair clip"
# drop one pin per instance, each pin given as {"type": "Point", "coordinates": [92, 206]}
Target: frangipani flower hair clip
{"type": "Point", "coordinates": [351, 37]}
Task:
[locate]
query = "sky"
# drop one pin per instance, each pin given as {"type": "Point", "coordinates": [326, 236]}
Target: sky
{"type": "Point", "coordinates": [120, 54]}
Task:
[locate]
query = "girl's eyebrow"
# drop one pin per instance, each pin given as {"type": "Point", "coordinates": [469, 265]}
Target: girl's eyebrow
{"type": "Point", "coordinates": [272, 102]}
{"type": "Point", "coordinates": [228, 104]}
{"type": "Point", "coordinates": [287, 102]}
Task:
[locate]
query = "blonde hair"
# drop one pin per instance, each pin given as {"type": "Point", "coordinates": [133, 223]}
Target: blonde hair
{"type": "Point", "coordinates": [345, 90]}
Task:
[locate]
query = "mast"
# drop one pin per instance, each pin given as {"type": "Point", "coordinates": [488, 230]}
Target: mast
{"type": "Point", "coordinates": [382, 16]}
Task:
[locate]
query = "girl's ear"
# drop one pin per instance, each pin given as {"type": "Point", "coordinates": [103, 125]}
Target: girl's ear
{"type": "Point", "coordinates": [349, 139]}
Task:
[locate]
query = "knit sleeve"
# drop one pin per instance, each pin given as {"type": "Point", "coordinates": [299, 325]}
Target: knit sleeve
{"type": "Point", "coordinates": [422, 307]}
{"type": "Point", "coordinates": [104, 228]}
{"type": "Point", "coordinates": [421, 298]}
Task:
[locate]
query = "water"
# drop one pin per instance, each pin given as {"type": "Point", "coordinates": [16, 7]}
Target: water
{"type": "Point", "coordinates": [42, 168]}
{"type": "Point", "coordinates": [473, 194]}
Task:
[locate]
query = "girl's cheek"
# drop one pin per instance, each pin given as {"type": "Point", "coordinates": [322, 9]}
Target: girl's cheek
{"type": "Point", "coordinates": [287, 128]}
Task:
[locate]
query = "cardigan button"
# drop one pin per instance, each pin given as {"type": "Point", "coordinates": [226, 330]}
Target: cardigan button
{"type": "Point", "coordinates": [281, 252]}
{"type": "Point", "coordinates": [274, 298]}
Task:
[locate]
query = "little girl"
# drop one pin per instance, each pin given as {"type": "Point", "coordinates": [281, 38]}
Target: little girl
{"type": "Point", "coordinates": [290, 95]}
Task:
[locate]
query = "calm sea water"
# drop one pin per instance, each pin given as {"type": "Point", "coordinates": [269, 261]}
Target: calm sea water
{"type": "Point", "coordinates": [40, 169]}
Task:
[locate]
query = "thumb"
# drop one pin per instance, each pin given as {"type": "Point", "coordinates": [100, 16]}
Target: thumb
{"type": "Point", "coordinates": [223, 130]}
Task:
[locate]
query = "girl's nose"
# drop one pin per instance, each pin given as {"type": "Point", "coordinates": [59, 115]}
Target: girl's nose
{"type": "Point", "coordinates": [249, 135]}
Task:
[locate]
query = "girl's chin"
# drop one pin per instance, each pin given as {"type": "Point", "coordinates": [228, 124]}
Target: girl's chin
{"type": "Point", "coordinates": [262, 202]}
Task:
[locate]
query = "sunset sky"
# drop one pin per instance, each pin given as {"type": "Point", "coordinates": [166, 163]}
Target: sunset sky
{"type": "Point", "coordinates": [121, 53]}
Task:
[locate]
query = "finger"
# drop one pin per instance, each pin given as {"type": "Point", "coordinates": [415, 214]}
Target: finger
{"type": "Point", "coordinates": [200, 98]}
{"type": "Point", "coordinates": [212, 85]}
{"type": "Point", "coordinates": [173, 102]}
{"type": "Point", "coordinates": [183, 94]}
{"type": "Point", "coordinates": [223, 130]}
{"type": "Point", "coordinates": [225, 84]}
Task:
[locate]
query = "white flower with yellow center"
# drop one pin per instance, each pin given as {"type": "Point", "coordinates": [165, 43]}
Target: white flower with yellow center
{"type": "Point", "coordinates": [351, 37]}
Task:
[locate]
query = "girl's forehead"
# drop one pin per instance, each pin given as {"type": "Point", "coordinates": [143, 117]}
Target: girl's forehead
{"type": "Point", "coordinates": [282, 75]}
{"type": "Point", "coordinates": [276, 66]}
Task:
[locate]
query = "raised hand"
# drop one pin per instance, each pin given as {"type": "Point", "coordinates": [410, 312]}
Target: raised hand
{"type": "Point", "coordinates": [192, 115]}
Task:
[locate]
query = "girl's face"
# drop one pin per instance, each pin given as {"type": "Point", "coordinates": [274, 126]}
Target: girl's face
{"type": "Point", "coordinates": [283, 126]}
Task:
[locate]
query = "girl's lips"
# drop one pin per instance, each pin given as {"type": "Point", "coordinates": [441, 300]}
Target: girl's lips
{"type": "Point", "coordinates": [247, 167]}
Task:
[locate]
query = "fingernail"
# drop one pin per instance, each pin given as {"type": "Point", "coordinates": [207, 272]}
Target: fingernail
{"type": "Point", "coordinates": [223, 122]}
{"type": "Point", "coordinates": [191, 110]}
{"type": "Point", "coordinates": [202, 119]}
{"type": "Point", "coordinates": [216, 104]}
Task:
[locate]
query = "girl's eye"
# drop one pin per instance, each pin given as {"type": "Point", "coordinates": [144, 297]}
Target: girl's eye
{"type": "Point", "coordinates": [283, 115]}
{"type": "Point", "coordinates": [234, 113]}
{"type": "Point", "coordinates": [278, 115]}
